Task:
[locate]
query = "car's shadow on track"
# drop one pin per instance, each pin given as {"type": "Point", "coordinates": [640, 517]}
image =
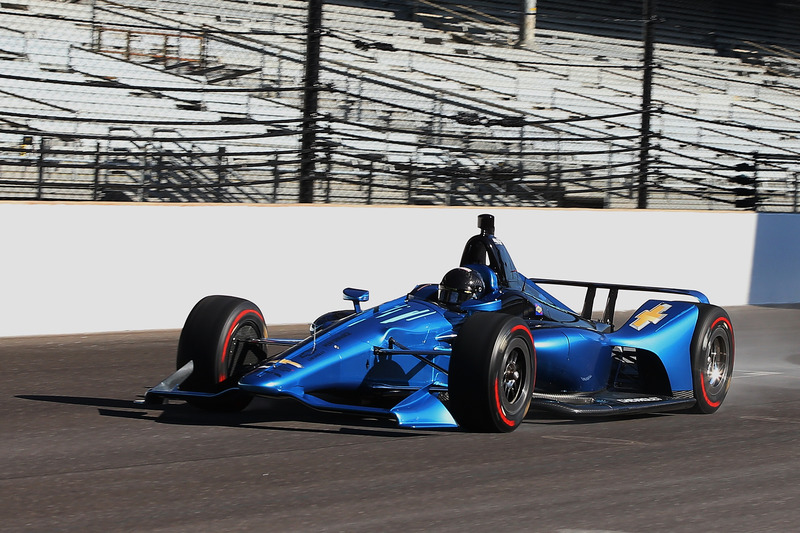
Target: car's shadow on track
{"type": "Point", "coordinates": [263, 414]}
{"type": "Point", "coordinates": [554, 419]}
{"type": "Point", "coordinates": [287, 415]}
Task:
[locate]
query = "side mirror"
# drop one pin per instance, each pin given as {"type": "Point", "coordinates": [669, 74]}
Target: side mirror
{"type": "Point", "coordinates": [356, 296]}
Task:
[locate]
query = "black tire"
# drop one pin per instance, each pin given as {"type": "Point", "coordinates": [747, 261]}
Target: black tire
{"type": "Point", "coordinates": [214, 338]}
{"type": "Point", "coordinates": [712, 352]}
{"type": "Point", "coordinates": [492, 373]}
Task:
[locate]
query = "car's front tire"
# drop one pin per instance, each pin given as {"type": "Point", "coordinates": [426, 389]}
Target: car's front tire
{"type": "Point", "coordinates": [215, 337]}
{"type": "Point", "coordinates": [492, 372]}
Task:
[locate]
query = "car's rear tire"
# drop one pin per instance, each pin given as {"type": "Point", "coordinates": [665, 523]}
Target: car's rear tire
{"type": "Point", "coordinates": [492, 372]}
{"type": "Point", "coordinates": [215, 338]}
{"type": "Point", "coordinates": [712, 352]}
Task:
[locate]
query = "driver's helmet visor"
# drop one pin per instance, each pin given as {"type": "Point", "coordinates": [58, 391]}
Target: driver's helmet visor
{"type": "Point", "coordinates": [452, 296]}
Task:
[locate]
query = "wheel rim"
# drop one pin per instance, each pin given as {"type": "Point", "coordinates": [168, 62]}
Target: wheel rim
{"type": "Point", "coordinates": [717, 363]}
{"type": "Point", "coordinates": [243, 355]}
{"type": "Point", "coordinates": [513, 376]}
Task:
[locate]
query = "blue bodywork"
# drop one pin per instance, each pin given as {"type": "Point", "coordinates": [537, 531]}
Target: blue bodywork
{"type": "Point", "coordinates": [392, 360]}
{"type": "Point", "coordinates": [342, 359]}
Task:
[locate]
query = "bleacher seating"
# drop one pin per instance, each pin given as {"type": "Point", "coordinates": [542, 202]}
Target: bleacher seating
{"type": "Point", "coordinates": [442, 73]}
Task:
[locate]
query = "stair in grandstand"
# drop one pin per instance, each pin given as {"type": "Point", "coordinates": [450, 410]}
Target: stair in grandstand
{"type": "Point", "coordinates": [492, 22]}
{"type": "Point", "coordinates": [172, 171]}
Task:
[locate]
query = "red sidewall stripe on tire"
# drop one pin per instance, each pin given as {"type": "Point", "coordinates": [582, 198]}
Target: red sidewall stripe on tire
{"type": "Point", "coordinates": [702, 372]}
{"type": "Point", "coordinates": [533, 348]}
{"type": "Point", "coordinates": [503, 417]}
{"type": "Point", "coordinates": [705, 395]}
{"type": "Point", "coordinates": [500, 410]}
{"type": "Point", "coordinates": [236, 321]}
{"type": "Point", "coordinates": [730, 328]}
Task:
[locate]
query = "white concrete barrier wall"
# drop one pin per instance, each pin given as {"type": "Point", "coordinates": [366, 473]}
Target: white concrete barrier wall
{"type": "Point", "coordinates": [81, 268]}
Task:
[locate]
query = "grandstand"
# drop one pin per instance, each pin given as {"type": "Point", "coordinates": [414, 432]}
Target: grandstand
{"type": "Point", "coordinates": [419, 102]}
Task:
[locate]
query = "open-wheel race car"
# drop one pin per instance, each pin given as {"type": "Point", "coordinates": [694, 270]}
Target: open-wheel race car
{"type": "Point", "coordinates": [475, 351]}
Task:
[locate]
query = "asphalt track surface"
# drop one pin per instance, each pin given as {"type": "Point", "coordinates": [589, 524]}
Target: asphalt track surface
{"type": "Point", "coordinates": [77, 455]}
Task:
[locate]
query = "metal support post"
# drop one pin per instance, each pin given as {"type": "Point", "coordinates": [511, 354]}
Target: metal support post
{"type": "Point", "coordinates": [647, 92]}
{"type": "Point", "coordinates": [527, 27]}
{"type": "Point", "coordinates": [310, 96]}
{"type": "Point", "coordinates": [40, 183]}
{"type": "Point", "coordinates": [96, 184]}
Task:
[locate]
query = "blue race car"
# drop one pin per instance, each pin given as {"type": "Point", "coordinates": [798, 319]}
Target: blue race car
{"type": "Point", "coordinates": [476, 351]}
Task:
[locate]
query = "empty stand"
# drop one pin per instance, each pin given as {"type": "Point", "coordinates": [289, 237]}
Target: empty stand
{"type": "Point", "coordinates": [429, 101]}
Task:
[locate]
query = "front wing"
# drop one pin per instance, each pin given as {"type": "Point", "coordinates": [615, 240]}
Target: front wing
{"type": "Point", "coordinates": [608, 403]}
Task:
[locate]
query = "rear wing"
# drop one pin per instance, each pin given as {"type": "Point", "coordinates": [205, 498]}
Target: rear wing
{"type": "Point", "coordinates": [613, 292]}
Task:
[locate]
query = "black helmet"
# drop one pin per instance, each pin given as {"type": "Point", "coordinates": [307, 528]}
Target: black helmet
{"type": "Point", "coordinates": [459, 285]}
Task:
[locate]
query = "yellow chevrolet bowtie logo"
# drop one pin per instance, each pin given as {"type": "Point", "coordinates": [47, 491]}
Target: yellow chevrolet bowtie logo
{"type": "Point", "coordinates": [650, 316]}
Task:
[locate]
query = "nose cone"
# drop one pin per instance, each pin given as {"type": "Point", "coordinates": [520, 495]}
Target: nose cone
{"type": "Point", "coordinates": [340, 358]}
{"type": "Point", "coordinates": [274, 378]}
